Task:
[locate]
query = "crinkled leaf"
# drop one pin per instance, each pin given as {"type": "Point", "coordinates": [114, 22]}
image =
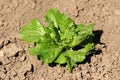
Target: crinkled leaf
{"type": "Point", "coordinates": [61, 21]}
{"type": "Point", "coordinates": [54, 33]}
{"type": "Point", "coordinates": [47, 49]}
{"type": "Point", "coordinates": [72, 57]}
{"type": "Point", "coordinates": [83, 34]}
{"type": "Point", "coordinates": [32, 32]}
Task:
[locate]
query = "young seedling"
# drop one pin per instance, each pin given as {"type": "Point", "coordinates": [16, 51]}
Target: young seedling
{"type": "Point", "coordinates": [57, 42]}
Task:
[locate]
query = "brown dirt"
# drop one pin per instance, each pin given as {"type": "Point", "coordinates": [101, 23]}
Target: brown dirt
{"type": "Point", "coordinates": [17, 64]}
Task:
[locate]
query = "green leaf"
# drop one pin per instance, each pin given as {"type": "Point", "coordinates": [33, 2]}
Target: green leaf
{"type": "Point", "coordinates": [47, 49]}
{"type": "Point", "coordinates": [83, 35]}
{"type": "Point", "coordinates": [61, 21]}
{"type": "Point", "coordinates": [67, 37]}
{"type": "Point", "coordinates": [32, 32]}
{"type": "Point", "coordinates": [54, 33]}
{"type": "Point", "coordinates": [72, 57]}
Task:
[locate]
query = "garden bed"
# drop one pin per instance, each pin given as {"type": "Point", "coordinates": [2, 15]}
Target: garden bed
{"type": "Point", "coordinates": [17, 64]}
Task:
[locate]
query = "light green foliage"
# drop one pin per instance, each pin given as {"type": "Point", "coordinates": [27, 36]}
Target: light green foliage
{"type": "Point", "coordinates": [57, 42]}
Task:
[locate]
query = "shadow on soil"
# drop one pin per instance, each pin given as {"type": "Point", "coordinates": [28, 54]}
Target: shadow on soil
{"type": "Point", "coordinates": [97, 37]}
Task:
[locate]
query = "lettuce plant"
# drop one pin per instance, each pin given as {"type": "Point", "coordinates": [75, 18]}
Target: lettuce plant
{"type": "Point", "coordinates": [61, 42]}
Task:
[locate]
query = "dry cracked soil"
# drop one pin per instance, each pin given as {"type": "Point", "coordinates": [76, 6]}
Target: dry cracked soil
{"type": "Point", "coordinates": [17, 64]}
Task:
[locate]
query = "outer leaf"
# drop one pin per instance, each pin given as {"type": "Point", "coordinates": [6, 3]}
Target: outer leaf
{"type": "Point", "coordinates": [83, 34]}
{"type": "Point", "coordinates": [78, 56]}
{"type": "Point", "coordinates": [47, 49]}
{"type": "Point", "coordinates": [59, 20]}
{"type": "Point", "coordinates": [72, 57]}
{"type": "Point", "coordinates": [32, 32]}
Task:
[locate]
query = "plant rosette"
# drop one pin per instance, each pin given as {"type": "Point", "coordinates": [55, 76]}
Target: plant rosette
{"type": "Point", "coordinates": [57, 42]}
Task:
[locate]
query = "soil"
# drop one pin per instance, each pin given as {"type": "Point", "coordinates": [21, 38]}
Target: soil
{"type": "Point", "coordinates": [17, 64]}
